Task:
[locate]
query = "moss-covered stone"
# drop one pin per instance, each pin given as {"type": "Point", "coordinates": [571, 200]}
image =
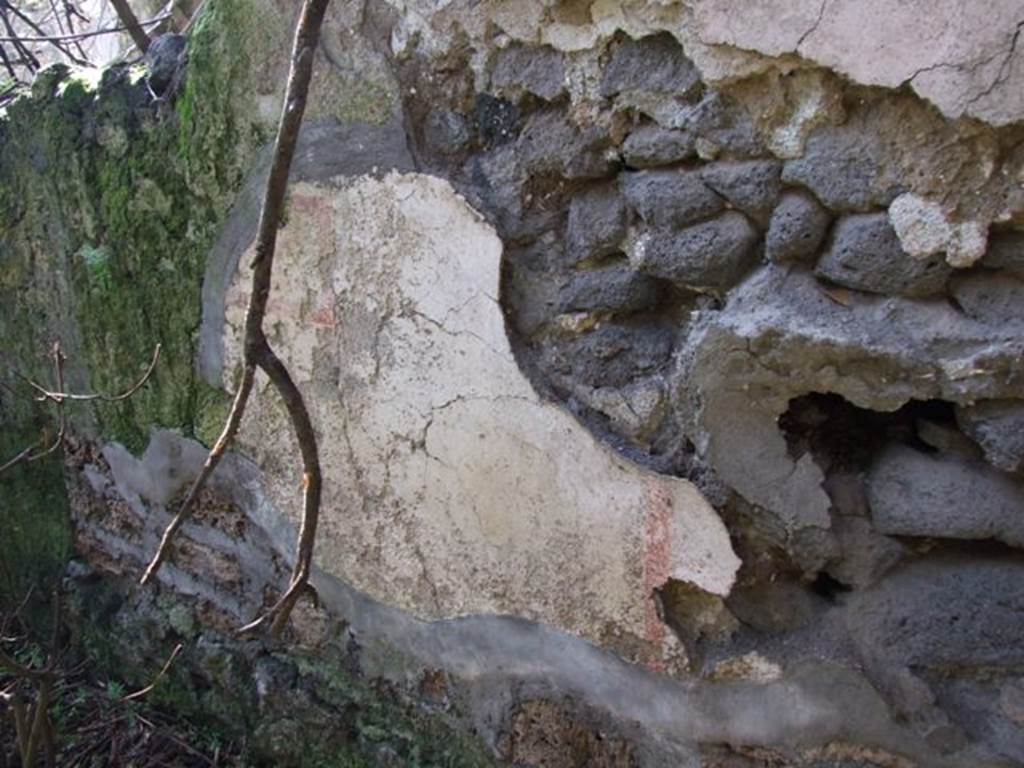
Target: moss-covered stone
{"type": "Point", "coordinates": [109, 202]}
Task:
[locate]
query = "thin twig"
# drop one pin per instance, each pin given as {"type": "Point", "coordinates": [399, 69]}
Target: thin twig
{"type": "Point", "coordinates": [13, 38]}
{"type": "Point", "coordinates": [160, 675]}
{"type": "Point", "coordinates": [256, 350]}
{"type": "Point", "coordinates": [60, 397]}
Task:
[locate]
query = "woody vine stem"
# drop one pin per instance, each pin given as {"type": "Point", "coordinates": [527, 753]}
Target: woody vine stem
{"type": "Point", "coordinates": [257, 352]}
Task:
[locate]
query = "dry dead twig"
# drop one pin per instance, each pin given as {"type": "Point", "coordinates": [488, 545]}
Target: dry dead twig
{"type": "Point", "coordinates": [44, 447]}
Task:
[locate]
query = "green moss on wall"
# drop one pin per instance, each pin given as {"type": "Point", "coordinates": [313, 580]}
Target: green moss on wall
{"type": "Point", "coordinates": [109, 202]}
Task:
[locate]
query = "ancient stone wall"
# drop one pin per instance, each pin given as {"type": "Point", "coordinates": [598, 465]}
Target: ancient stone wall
{"type": "Point", "coordinates": [667, 361]}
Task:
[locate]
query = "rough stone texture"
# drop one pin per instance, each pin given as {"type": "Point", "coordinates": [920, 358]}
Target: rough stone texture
{"type": "Point", "coordinates": [650, 145]}
{"type": "Point", "coordinates": [613, 289]}
{"type": "Point", "coordinates": [845, 168]}
{"type": "Point", "coordinates": [714, 254]}
{"type": "Point", "coordinates": [914, 494]}
{"type": "Point", "coordinates": [532, 70]}
{"type": "Point", "coordinates": [865, 254]}
{"type": "Point", "coordinates": [992, 298]}
{"type": "Point", "coordinates": [925, 229]}
{"type": "Point", "coordinates": [1006, 251]}
{"type": "Point", "coordinates": [597, 224]}
{"type": "Point", "coordinates": [780, 337]}
{"type": "Point", "coordinates": [650, 67]}
{"type": "Point", "coordinates": [998, 427]}
{"type": "Point", "coordinates": [797, 228]}
{"type": "Point", "coordinates": [669, 198]}
{"type": "Point", "coordinates": [930, 617]}
{"type": "Point", "coordinates": [751, 187]}
{"type": "Point", "coordinates": [424, 357]}
{"type": "Point", "coordinates": [962, 62]}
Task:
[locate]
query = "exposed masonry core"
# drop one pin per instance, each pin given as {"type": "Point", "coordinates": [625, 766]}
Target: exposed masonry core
{"type": "Point", "coordinates": [669, 371]}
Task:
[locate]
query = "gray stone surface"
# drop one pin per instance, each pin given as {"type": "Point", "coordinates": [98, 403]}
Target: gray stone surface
{"type": "Point", "coordinates": [651, 145]}
{"type": "Point", "coordinates": [551, 143]}
{"type": "Point", "coordinates": [914, 494]}
{"type": "Point", "coordinates": [613, 355]}
{"type": "Point", "coordinates": [446, 131]}
{"type": "Point", "coordinates": [654, 64]}
{"type": "Point", "coordinates": [724, 126]}
{"type": "Point", "coordinates": [1006, 251]}
{"type": "Point", "coordinates": [670, 198]}
{"type": "Point", "coordinates": [937, 624]}
{"type": "Point", "coordinates": [865, 254]}
{"type": "Point", "coordinates": [752, 186]}
{"type": "Point", "coordinates": [998, 427]}
{"type": "Point", "coordinates": [797, 228]}
{"type": "Point", "coordinates": [597, 224]}
{"type": "Point", "coordinates": [779, 337]}
{"type": "Point", "coordinates": [993, 298]}
{"type": "Point", "coordinates": [844, 167]}
{"type": "Point", "coordinates": [529, 69]}
{"type": "Point", "coordinates": [617, 289]}
{"type": "Point", "coordinates": [714, 254]}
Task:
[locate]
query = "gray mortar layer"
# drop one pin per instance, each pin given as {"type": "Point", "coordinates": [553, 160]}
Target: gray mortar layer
{"type": "Point", "coordinates": [498, 660]}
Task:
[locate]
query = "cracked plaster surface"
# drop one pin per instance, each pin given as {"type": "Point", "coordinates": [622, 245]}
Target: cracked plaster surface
{"type": "Point", "coordinates": [964, 59]}
{"type": "Point", "coordinates": [451, 488]}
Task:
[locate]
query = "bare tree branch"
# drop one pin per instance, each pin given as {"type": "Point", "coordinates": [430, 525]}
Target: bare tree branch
{"type": "Point", "coordinates": [256, 350]}
{"type": "Point", "coordinates": [12, 38]}
{"type": "Point", "coordinates": [131, 23]}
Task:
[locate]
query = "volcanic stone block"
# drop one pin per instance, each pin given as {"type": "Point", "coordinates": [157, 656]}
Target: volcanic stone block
{"type": "Point", "coordinates": [714, 254]}
{"type": "Point", "coordinates": [534, 69]}
{"type": "Point", "coordinates": [797, 228]}
{"type": "Point", "coordinates": [912, 493]}
{"type": "Point", "coordinates": [990, 297]}
{"type": "Point", "coordinates": [865, 255]}
{"type": "Point", "coordinates": [651, 145]}
{"type": "Point", "coordinates": [655, 64]}
{"type": "Point", "coordinates": [614, 289]}
{"type": "Point", "coordinates": [597, 223]}
{"type": "Point", "coordinates": [752, 186]}
{"type": "Point", "coordinates": [998, 427]}
{"type": "Point", "coordinates": [670, 198]}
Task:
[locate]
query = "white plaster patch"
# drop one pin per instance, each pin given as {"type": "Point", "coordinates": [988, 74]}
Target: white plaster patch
{"type": "Point", "coordinates": [924, 229]}
{"type": "Point", "coordinates": [964, 60]}
{"type": "Point", "coordinates": [450, 487]}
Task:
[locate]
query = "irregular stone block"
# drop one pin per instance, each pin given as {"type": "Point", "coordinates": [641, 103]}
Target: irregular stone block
{"type": "Point", "coordinates": [797, 228]}
{"type": "Point", "coordinates": [751, 187]}
{"type": "Point", "coordinates": [843, 167]}
{"type": "Point", "coordinates": [722, 126]}
{"type": "Point", "coordinates": [597, 224]}
{"type": "Point", "coordinates": [655, 64]}
{"type": "Point", "coordinates": [651, 145]}
{"type": "Point", "coordinates": [993, 298]}
{"type": "Point", "coordinates": [715, 254]}
{"type": "Point", "coordinates": [914, 494]}
{"type": "Point", "coordinates": [551, 143]}
{"type": "Point", "coordinates": [497, 120]}
{"type": "Point", "coordinates": [998, 427]}
{"type": "Point", "coordinates": [539, 70]}
{"type": "Point", "coordinates": [865, 254]}
{"type": "Point", "coordinates": [446, 132]}
{"type": "Point", "coordinates": [1005, 251]}
{"type": "Point", "coordinates": [613, 355]}
{"type": "Point", "coordinates": [617, 289]}
{"type": "Point", "coordinates": [636, 410]}
{"type": "Point", "coordinates": [669, 198]}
